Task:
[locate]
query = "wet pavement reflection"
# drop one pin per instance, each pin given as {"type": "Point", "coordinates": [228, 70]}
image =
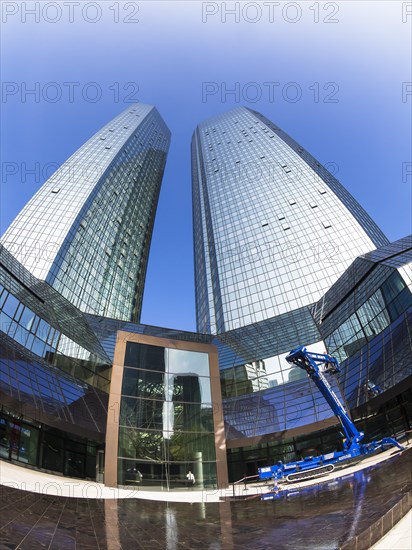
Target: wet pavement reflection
{"type": "Point", "coordinates": [320, 517]}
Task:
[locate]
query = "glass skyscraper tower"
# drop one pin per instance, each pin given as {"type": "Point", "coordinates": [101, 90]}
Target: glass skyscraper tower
{"type": "Point", "coordinates": [87, 231]}
{"type": "Point", "coordinates": [273, 229]}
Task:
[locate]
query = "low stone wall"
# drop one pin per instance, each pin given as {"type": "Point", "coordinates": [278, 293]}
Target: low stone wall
{"type": "Point", "coordinates": [383, 525]}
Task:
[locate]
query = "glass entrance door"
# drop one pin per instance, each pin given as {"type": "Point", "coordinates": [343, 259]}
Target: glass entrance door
{"type": "Point", "coordinates": [4, 439]}
{"type": "Point", "coordinates": [100, 466]}
{"type": "Point", "coordinates": [15, 429]}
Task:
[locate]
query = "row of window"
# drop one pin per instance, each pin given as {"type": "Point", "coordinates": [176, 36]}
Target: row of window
{"type": "Point", "coordinates": [21, 324]}
{"type": "Point", "coordinates": [385, 305]}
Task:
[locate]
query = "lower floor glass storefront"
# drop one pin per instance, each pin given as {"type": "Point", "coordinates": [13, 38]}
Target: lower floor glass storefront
{"type": "Point", "coordinates": [40, 446]}
{"type": "Point", "coordinates": [167, 475]}
{"type": "Point", "coordinates": [169, 433]}
{"type": "Point", "coordinates": [37, 445]}
{"type": "Point", "coordinates": [392, 418]}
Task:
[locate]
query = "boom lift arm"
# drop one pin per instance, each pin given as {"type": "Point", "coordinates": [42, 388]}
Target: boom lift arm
{"type": "Point", "coordinates": [315, 364]}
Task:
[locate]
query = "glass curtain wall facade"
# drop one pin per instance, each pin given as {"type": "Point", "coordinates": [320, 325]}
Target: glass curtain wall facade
{"type": "Point", "coordinates": [273, 229]}
{"type": "Point", "coordinates": [59, 370]}
{"type": "Point", "coordinates": [85, 390]}
{"type": "Point", "coordinates": [54, 378]}
{"type": "Point", "coordinates": [274, 413]}
{"type": "Point", "coordinates": [63, 373]}
{"type": "Point", "coordinates": [170, 419]}
{"type": "Point", "coordinates": [87, 231]}
{"type": "Point", "coordinates": [38, 445]}
{"type": "Point", "coordinates": [365, 320]}
{"type": "Point", "coordinates": [166, 417]}
{"type": "Point", "coordinates": [39, 321]}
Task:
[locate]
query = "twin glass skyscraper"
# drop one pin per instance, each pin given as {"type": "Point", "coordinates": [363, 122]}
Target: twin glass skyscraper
{"type": "Point", "coordinates": [87, 231]}
{"type": "Point", "coordinates": [273, 229]}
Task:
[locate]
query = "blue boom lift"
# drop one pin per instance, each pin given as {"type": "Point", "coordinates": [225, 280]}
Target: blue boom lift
{"type": "Point", "coordinates": [317, 365]}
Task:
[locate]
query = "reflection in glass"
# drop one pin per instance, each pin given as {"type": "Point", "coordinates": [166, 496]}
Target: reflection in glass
{"type": "Point", "coordinates": [166, 416]}
{"type": "Point", "coordinates": [187, 362]}
{"type": "Point", "coordinates": [28, 445]}
{"type": "Point", "coordinates": [262, 374]}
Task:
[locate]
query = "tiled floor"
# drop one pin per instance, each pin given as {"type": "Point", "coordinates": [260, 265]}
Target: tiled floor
{"type": "Point", "coordinates": [320, 517]}
{"type": "Point", "coordinates": [399, 538]}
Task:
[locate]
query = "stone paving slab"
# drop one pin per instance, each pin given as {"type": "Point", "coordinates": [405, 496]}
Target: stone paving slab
{"type": "Point", "coordinates": [324, 516]}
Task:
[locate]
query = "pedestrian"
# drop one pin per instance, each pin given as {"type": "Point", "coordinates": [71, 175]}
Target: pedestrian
{"type": "Point", "coordinates": [190, 478]}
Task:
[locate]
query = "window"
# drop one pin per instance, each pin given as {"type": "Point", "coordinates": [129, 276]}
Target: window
{"type": "Point", "coordinates": [10, 306]}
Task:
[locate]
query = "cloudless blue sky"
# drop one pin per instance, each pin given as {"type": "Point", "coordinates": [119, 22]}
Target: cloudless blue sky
{"type": "Point", "coordinates": [170, 53]}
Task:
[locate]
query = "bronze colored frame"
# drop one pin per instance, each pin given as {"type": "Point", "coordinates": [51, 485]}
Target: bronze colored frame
{"type": "Point", "coordinates": [113, 416]}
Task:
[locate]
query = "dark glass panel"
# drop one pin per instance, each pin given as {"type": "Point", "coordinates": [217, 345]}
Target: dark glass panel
{"type": "Point", "coordinates": [90, 466]}
{"type": "Point", "coordinates": [52, 452]}
{"type": "Point", "coordinates": [74, 464]}
{"type": "Point", "coordinates": [193, 417]}
{"type": "Point", "coordinates": [145, 357]}
{"type": "Point", "coordinates": [140, 444]}
{"type": "Point", "coordinates": [14, 435]}
{"type": "Point", "coordinates": [141, 383]}
{"type": "Point", "coordinates": [132, 473]}
{"type": "Point", "coordinates": [209, 474]}
{"type": "Point", "coordinates": [29, 438]}
{"type": "Point", "coordinates": [187, 446]}
{"type": "Point", "coordinates": [75, 446]}
{"type": "Point", "coordinates": [188, 388]}
{"type": "Point", "coordinates": [141, 413]}
{"type": "Point", "coordinates": [4, 438]}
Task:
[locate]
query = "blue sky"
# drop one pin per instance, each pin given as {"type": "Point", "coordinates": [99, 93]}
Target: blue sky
{"type": "Point", "coordinates": [166, 55]}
